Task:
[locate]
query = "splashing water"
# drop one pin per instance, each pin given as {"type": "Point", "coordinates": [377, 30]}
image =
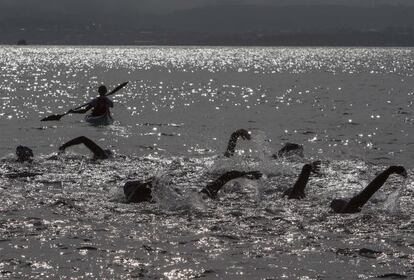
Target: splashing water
{"type": "Point", "coordinates": [261, 147]}
{"type": "Point", "coordinates": [392, 204]}
{"type": "Point", "coordinates": [169, 199]}
{"type": "Point", "coordinates": [245, 187]}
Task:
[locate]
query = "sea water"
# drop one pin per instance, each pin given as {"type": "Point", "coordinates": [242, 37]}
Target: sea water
{"type": "Point", "coordinates": [351, 108]}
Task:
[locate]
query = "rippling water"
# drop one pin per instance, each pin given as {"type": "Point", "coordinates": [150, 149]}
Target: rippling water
{"type": "Point", "coordinates": [349, 107]}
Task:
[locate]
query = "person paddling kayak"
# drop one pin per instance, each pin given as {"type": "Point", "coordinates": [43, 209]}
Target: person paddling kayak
{"type": "Point", "coordinates": [101, 115]}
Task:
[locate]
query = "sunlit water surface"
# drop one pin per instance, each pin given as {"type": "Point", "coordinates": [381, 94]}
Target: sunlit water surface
{"type": "Point", "coordinates": [350, 108]}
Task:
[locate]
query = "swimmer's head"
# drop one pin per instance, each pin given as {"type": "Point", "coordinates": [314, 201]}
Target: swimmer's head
{"type": "Point", "coordinates": [108, 154]}
{"type": "Point", "coordinates": [130, 186]}
{"type": "Point", "coordinates": [102, 90]}
{"type": "Point", "coordinates": [338, 205]}
{"type": "Point", "coordinates": [138, 191]}
{"type": "Point", "coordinates": [399, 170]}
{"type": "Point", "coordinates": [291, 149]}
{"type": "Point", "coordinates": [24, 154]}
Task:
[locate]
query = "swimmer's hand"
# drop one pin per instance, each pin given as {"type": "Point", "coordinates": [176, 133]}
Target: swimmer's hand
{"type": "Point", "coordinates": [292, 193]}
{"type": "Point", "coordinates": [209, 193]}
{"type": "Point", "coordinates": [61, 150]}
{"type": "Point", "coordinates": [398, 170]}
{"type": "Point", "coordinates": [244, 134]}
{"type": "Point", "coordinates": [253, 175]}
{"type": "Point", "coordinates": [316, 167]}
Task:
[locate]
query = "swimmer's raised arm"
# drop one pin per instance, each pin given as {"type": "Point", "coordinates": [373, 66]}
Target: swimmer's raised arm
{"type": "Point", "coordinates": [298, 189]}
{"type": "Point", "coordinates": [97, 151]}
{"type": "Point", "coordinates": [357, 202]}
{"type": "Point", "coordinates": [231, 146]}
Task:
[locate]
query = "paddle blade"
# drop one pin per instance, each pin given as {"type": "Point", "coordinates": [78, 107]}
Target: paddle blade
{"type": "Point", "coordinates": [52, 118]}
{"type": "Point", "coordinates": [117, 88]}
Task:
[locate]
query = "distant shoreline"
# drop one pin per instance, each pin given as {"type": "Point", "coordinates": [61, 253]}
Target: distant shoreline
{"type": "Point", "coordinates": [384, 38]}
{"type": "Point", "coordinates": [205, 45]}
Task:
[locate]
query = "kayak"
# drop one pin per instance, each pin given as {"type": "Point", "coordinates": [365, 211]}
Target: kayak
{"type": "Point", "coordinates": [105, 119]}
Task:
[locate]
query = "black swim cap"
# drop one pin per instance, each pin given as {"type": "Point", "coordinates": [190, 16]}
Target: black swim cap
{"type": "Point", "coordinates": [24, 153]}
{"type": "Point", "coordinates": [338, 205]}
{"type": "Point", "coordinates": [290, 149]}
{"type": "Point", "coordinates": [102, 90]}
{"type": "Point", "coordinates": [137, 191]}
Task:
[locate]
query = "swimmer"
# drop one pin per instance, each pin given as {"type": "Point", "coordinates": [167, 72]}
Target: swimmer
{"type": "Point", "coordinates": [355, 204]}
{"type": "Point", "coordinates": [98, 152]}
{"type": "Point", "coordinates": [24, 154]}
{"type": "Point", "coordinates": [298, 189]}
{"type": "Point", "coordinates": [141, 191]}
{"type": "Point", "coordinates": [244, 134]}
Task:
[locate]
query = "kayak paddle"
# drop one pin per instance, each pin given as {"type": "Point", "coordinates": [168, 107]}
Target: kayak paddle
{"type": "Point", "coordinates": [58, 117]}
